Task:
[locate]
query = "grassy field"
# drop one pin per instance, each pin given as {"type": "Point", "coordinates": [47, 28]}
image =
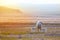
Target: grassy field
{"type": "Point", "coordinates": [44, 38]}
{"type": "Point", "coordinates": [25, 31]}
{"type": "Point", "coordinates": [33, 36]}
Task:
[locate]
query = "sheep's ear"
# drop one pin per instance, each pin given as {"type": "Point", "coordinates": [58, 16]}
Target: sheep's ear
{"type": "Point", "coordinates": [36, 24]}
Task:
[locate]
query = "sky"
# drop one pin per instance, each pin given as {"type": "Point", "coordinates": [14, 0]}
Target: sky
{"type": "Point", "coordinates": [29, 1]}
{"type": "Point", "coordinates": [47, 8]}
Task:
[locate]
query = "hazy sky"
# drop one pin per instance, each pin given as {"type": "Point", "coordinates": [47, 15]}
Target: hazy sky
{"type": "Point", "coordinates": [42, 9]}
{"type": "Point", "coordinates": [35, 7]}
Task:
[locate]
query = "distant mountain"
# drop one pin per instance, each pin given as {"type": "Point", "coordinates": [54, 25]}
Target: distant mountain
{"type": "Point", "coordinates": [8, 10]}
{"type": "Point", "coordinates": [9, 14]}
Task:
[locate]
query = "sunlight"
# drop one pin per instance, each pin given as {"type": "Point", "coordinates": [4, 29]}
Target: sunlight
{"type": "Point", "coordinates": [18, 2]}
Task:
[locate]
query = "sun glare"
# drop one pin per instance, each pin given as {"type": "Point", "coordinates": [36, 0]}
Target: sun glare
{"type": "Point", "coordinates": [17, 2]}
